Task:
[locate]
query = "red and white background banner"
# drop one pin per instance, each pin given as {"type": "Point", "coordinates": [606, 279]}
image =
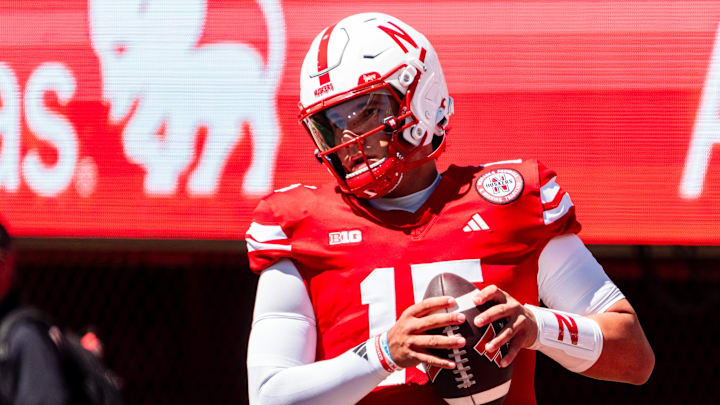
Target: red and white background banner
{"type": "Point", "coordinates": [170, 119]}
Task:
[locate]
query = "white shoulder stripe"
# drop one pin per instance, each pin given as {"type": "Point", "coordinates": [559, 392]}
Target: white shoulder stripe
{"type": "Point", "coordinates": [549, 191]}
{"type": "Point", "coordinates": [288, 188]}
{"type": "Point", "coordinates": [264, 233]}
{"type": "Point", "coordinates": [503, 162]}
{"type": "Point", "coordinates": [253, 246]}
{"type": "Point", "coordinates": [554, 214]}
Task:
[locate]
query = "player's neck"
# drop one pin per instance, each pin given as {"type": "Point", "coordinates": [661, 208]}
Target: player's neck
{"type": "Point", "coordinates": [415, 179]}
{"type": "Point", "coordinates": [410, 203]}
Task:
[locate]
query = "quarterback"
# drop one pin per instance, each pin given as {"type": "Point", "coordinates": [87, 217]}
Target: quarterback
{"type": "Point", "coordinates": [339, 315]}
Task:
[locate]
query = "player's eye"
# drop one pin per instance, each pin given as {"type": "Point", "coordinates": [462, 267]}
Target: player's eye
{"type": "Point", "coordinates": [370, 111]}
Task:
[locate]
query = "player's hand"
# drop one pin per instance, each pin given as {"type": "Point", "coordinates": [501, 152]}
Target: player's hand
{"type": "Point", "coordinates": [520, 329]}
{"type": "Point", "coordinates": [408, 342]}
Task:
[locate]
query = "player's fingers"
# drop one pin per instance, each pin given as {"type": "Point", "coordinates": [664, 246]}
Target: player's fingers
{"type": "Point", "coordinates": [428, 305]}
{"type": "Point", "coordinates": [438, 320]}
{"type": "Point", "coordinates": [436, 342]}
{"type": "Point", "coordinates": [505, 335]}
{"type": "Point", "coordinates": [435, 361]}
{"type": "Point", "coordinates": [513, 350]}
{"type": "Point", "coordinates": [491, 292]}
{"type": "Point", "coordinates": [516, 343]}
{"type": "Point", "coordinates": [494, 313]}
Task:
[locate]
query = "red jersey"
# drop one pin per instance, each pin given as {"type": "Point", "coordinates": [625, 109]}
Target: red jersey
{"type": "Point", "coordinates": [363, 267]}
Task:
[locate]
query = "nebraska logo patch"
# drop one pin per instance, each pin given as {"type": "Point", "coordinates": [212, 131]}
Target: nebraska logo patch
{"type": "Point", "coordinates": [500, 186]}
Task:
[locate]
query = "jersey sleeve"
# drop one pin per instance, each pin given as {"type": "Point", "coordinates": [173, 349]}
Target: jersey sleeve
{"type": "Point", "coordinates": [558, 210]}
{"type": "Point", "coordinates": [282, 367]}
{"type": "Point", "coordinates": [570, 279]}
{"type": "Point", "coordinates": [267, 241]}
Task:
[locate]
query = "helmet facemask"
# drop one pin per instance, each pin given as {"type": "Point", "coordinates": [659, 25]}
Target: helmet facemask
{"type": "Point", "coordinates": [359, 138]}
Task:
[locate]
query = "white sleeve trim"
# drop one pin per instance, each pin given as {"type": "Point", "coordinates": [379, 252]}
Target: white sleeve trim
{"type": "Point", "coordinates": [265, 233]}
{"type": "Point", "coordinates": [570, 279]}
{"type": "Point", "coordinates": [253, 246]}
{"type": "Point", "coordinates": [281, 350]}
{"type": "Point", "coordinates": [558, 212]}
{"type": "Point", "coordinates": [549, 191]}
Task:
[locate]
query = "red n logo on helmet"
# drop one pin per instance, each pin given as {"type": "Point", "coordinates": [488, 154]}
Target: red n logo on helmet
{"type": "Point", "coordinates": [398, 34]}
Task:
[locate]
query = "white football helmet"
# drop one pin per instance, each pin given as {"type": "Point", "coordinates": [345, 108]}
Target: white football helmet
{"type": "Point", "coordinates": [372, 96]}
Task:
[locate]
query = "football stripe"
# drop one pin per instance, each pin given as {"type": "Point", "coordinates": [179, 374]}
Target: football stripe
{"type": "Point", "coordinates": [482, 397]}
{"type": "Point", "coordinates": [550, 216]}
{"type": "Point", "coordinates": [265, 233]}
{"type": "Point", "coordinates": [464, 302]}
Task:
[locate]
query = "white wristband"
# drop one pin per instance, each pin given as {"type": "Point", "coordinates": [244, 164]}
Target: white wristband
{"type": "Point", "coordinates": [572, 340]}
{"type": "Point", "coordinates": [382, 351]}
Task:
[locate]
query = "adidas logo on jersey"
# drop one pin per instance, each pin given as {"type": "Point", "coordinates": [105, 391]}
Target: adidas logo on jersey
{"type": "Point", "coordinates": [476, 223]}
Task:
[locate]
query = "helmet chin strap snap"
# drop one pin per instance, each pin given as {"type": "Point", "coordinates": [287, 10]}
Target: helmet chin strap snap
{"type": "Point", "coordinates": [407, 76]}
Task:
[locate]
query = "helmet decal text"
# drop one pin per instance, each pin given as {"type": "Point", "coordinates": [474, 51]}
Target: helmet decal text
{"type": "Point", "coordinates": [325, 88]}
{"type": "Point", "coordinates": [368, 77]}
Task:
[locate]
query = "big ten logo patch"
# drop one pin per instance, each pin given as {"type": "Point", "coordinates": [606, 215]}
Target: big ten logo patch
{"type": "Point", "coordinates": [343, 237]}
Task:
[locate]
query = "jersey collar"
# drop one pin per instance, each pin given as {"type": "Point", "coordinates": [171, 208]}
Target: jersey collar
{"type": "Point", "coordinates": [454, 183]}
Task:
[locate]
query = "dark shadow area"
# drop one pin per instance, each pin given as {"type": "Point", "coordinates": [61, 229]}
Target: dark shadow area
{"type": "Point", "coordinates": [175, 322]}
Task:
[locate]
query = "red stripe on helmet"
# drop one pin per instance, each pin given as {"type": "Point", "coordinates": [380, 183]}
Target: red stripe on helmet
{"type": "Point", "coordinates": [322, 55]}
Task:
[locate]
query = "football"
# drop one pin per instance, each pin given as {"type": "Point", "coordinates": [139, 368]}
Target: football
{"type": "Point", "coordinates": [478, 378]}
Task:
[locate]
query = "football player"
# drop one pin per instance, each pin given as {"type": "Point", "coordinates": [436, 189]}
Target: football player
{"type": "Point", "coordinates": [339, 316]}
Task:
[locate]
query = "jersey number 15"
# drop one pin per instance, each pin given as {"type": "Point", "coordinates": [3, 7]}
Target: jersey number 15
{"type": "Point", "coordinates": [378, 292]}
